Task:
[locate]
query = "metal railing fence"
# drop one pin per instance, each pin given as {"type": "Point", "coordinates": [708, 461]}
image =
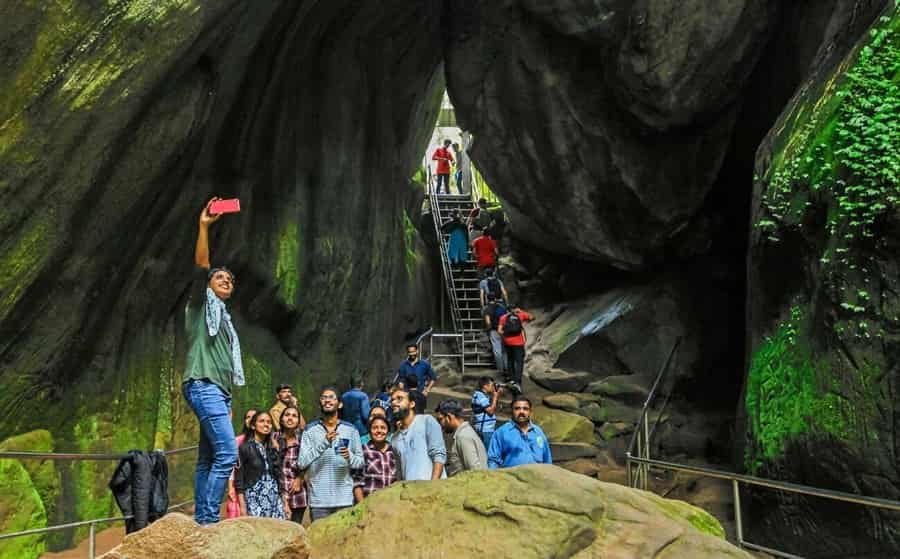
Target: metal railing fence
{"type": "Point", "coordinates": [92, 523]}
{"type": "Point", "coordinates": [638, 463]}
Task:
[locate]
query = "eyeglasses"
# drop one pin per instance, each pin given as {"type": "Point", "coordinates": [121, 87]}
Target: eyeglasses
{"type": "Point", "coordinates": [327, 398]}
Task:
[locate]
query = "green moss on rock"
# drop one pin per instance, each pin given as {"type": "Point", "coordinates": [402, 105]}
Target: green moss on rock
{"type": "Point", "coordinates": [21, 508]}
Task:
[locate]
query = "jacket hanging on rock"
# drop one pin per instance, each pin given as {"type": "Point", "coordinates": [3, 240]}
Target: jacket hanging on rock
{"type": "Point", "coordinates": [140, 487]}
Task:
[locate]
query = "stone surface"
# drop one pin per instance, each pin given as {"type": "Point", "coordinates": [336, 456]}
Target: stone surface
{"type": "Point", "coordinates": [551, 511]}
{"type": "Point", "coordinates": [176, 535]}
{"type": "Point", "coordinates": [567, 452]}
{"type": "Point", "coordinates": [558, 380]}
{"type": "Point", "coordinates": [823, 307]}
{"type": "Point", "coordinates": [563, 427]}
{"type": "Point", "coordinates": [564, 401]}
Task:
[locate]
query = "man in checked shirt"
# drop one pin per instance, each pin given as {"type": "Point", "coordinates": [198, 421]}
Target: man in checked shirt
{"type": "Point", "coordinates": [380, 469]}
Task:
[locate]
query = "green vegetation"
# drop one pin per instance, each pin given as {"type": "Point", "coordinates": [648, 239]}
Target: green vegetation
{"type": "Point", "coordinates": [793, 391]}
{"type": "Point", "coordinates": [287, 267]}
{"type": "Point", "coordinates": [411, 258]}
{"type": "Point", "coordinates": [844, 157]}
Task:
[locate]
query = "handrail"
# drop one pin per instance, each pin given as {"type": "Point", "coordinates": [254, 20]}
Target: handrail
{"type": "Point", "coordinates": [28, 455]}
{"type": "Point", "coordinates": [62, 456]}
{"type": "Point", "coordinates": [787, 486]}
{"type": "Point", "coordinates": [80, 523]}
{"type": "Point", "coordinates": [639, 453]}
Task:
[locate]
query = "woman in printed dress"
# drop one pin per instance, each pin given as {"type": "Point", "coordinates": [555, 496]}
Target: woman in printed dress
{"type": "Point", "coordinates": [258, 476]}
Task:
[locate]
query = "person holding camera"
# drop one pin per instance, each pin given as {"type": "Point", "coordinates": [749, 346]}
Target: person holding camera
{"type": "Point", "coordinates": [484, 408]}
{"type": "Point", "coordinates": [330, 448]}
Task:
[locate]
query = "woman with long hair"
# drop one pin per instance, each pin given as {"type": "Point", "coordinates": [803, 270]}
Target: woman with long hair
{"type": "Point", "coordinates": [293, 486]}
{"type": "Point", "coordinates": [258, 475]}
{"type": "Point", "coordinates": [232, 503]}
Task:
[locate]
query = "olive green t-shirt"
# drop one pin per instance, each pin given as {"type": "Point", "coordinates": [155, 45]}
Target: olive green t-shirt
{"type": "Point", "coordinates": [208, 357]}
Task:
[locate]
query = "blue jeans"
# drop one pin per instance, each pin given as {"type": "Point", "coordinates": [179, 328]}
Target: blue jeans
{"type": "Point", "coordinates": [497, 348]}
{"type": "Point", "coordinates": [217, 451]}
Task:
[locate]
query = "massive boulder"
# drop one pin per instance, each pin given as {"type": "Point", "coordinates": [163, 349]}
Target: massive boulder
{"type": "Point", "coordinates": [176, 535]}
{"type": "Point", "coordinates": [618, 114]}
{"type": "Point", "coordinates": [824, 300]}
{"type": "Point", "coordinates": [529, 511]}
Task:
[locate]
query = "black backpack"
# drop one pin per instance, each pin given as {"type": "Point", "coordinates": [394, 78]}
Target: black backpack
{"type": "Point", "coordinates": [513, 326]}
{"type": "Point", "coordinates": [494, 289]}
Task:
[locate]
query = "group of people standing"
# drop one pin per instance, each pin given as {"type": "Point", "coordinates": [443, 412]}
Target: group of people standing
{"type": "Point", "coordinates": [280, 465]}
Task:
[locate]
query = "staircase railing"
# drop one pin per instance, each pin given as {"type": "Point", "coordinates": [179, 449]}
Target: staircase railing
{"type": "Point", "coordinates": [638, 464]}
{"type": "Point", "coordinates": [445, 262]}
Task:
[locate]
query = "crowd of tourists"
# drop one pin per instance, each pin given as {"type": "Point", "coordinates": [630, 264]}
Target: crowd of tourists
{"type": "Point", "coordinates": [280, 465]}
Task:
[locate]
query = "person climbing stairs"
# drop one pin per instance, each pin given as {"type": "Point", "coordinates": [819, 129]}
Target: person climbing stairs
{"type": "Point", "coordinates": [461, 282]}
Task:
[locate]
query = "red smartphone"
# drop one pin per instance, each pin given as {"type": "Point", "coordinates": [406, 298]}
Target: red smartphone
{"type": "Point", "coordinates": [230, 206]}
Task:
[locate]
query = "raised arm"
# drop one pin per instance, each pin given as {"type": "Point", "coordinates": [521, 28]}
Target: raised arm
{"type": "Point", "coordinates": [311, 448]}
{"type": "Point", "coordinates": [201, 250]}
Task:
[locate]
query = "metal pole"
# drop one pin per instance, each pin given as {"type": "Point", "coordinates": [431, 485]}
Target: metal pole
{"type": "Point", "coordinates": [91, 540]}
{"type": "Point", "coordinates": [738, 524]}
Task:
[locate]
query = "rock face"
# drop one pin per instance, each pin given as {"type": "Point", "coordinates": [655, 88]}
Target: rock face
{"type": "Point", "coordinates": [529, 511]}
{"type": "Point", "coordinates": [588, 84]}
{"type": "Point", "coordinates": [824, 311]}
{"type": "Point", "coordinates": [119, 120]}
{"type": "Point", "coordinates": [176, 535]}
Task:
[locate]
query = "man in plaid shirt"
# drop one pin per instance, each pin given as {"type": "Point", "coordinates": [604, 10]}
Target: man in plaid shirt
{"type": "Point", "coordinates": [380, 469]}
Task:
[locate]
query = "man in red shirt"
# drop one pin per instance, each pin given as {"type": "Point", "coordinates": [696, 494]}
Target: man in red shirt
{"type": "Point", "coordinates": [443, 157]}
{"type": "Point", "coordinates": [512, 329]}
{"type": "Point", "coordinates": [485, 249]}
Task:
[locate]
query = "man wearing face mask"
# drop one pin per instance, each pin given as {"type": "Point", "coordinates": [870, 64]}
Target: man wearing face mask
{"type": "Point", "coordinates": [212, 366]}
{"type": "Point", "coordinates": [330, 448]}
{"type": "Point", "coordinates": [421, 370]}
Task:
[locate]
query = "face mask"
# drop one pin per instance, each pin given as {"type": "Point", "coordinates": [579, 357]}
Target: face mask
{"type": "Point", "coordinates": [410, 357]}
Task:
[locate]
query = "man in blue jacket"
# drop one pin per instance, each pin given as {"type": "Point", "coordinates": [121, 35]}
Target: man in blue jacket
{"type": "Point", "coordinates": [519, 441]}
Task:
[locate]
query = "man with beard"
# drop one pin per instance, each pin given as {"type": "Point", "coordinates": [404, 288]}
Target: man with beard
{"type": "Point", "coordinates": [330, 448]}
{"type": "Point", "coordinates": [467, 451]}
{"type": "Point", "coordinates": [419, 443]}
{"type": "Point", "coordinates": [519, 441]}
{"type": "Point", "coordinates": [284, 397]}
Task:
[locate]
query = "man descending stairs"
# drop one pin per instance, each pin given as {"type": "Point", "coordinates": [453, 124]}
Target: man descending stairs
{"type": "Point", "coordinates": [462, 286]}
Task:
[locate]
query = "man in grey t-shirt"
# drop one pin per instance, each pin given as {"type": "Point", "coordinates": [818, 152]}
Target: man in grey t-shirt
{"type": "Point", "coordinates": [419, 444]}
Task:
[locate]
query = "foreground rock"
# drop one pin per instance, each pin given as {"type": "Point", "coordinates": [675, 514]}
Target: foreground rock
{"type": "Point", "coordinates": [530, 511]}
{"type": "Point", "coordinates": [177, 536]}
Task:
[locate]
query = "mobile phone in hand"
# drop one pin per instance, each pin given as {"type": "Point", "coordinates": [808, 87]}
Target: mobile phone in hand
{"type": "Point", "coordinates": [230, 206]}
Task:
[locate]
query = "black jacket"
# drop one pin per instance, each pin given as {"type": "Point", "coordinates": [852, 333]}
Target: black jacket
{"type": "Point", "coordinates": [140, 487]}
{"type": "Point", "coordinates": [251, 466]}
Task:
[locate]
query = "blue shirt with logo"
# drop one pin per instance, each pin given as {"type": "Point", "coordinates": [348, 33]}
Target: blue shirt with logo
{"type": "Point", "coordinates": [510, 447]}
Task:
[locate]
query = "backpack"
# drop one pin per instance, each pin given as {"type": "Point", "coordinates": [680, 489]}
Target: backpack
{"type": "Point", "coordinates": [497, 312]}
{"type": "Point", "coordinates": [483, 219]}
{"type": "Point", "coordinates": [513, 326]}
{"type": "Point", "coordinates": [494, 289]}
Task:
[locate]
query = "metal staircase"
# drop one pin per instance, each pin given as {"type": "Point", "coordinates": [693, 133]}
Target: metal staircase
{"type": "Point", "coordinates": [462, 287]}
